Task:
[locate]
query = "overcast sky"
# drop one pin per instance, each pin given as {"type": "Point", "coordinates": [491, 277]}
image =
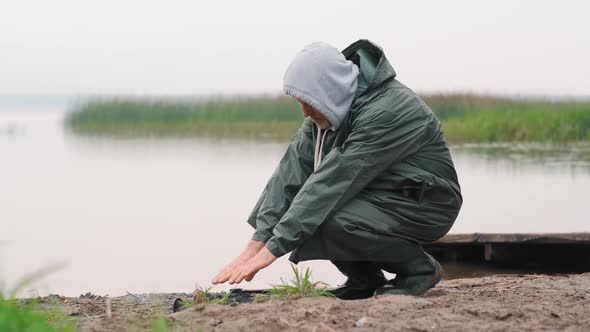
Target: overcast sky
{"type": "Point", "coordinates": [203, 47]}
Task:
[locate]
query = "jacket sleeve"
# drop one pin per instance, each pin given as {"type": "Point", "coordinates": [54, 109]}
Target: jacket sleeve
{"type": "Point", "coordinates": [288, 178]}
{"type": "Point", "coordinates": [378, 139]}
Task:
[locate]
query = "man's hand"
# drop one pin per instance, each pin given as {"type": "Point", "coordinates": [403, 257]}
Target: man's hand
{"type": "Point", "coordinates": [251, 250]}
{"type": "Point", "coordinates": [240, 270]}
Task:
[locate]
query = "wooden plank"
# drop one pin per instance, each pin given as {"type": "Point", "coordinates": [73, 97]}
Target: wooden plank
{"type": "Point", "coordinates": [546, 238]}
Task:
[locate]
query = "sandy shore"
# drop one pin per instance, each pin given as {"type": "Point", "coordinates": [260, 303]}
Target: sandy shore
{"type": "Point", "coordinates": [496, 303]}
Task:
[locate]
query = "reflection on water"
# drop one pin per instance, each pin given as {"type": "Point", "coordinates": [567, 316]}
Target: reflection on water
{"type": "Point", "coordinates": [546, 158]}
{"type": "Point", "coordinates": [158, 215]}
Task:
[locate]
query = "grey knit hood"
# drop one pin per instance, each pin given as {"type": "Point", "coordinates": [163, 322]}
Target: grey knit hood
{"type": "Point", "coordinates": [321, 76]}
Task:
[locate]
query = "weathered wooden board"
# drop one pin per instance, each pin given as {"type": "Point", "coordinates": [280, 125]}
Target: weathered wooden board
{"type": "Point", "coordinates": [546, 238]}
{"type": "Point", "coordinates": [532, 252]}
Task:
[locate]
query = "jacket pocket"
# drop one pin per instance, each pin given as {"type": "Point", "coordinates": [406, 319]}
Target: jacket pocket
{"type": "Point", "coordinates": [425, 188]}
{"type": "Point", "coordinates": [414, 186]}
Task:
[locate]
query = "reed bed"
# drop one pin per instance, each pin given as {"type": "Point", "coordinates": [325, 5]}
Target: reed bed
{"type": "Point", "coordinates": [464, 117]}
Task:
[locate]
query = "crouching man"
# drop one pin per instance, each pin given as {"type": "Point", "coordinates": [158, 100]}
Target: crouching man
{"type": "Point", "coordinates": [366, 179]}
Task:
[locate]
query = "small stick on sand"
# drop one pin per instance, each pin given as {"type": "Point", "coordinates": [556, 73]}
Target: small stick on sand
{"type": "Point", "coordinates": [109, 311]}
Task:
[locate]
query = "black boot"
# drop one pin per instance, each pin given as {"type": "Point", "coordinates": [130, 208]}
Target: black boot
{"type": "Point", "coordinates": [413, 277]}
{"type": "Point", "coordinates": [363, 279]}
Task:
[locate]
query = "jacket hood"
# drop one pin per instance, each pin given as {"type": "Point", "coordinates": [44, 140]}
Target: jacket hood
{"type": "Point", "coordinates": [322, 77]}
{"type": "Point", "coordinates": [374, 67]}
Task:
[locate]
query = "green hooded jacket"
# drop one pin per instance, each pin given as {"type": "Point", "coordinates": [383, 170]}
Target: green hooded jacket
{"type": "Point", "coordinates": [386, 172]}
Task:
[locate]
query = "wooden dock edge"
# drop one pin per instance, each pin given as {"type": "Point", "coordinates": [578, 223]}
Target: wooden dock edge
{"type": "Point", "coordinates": [549, 238]}
{"type": "Point", "coordinates": [533, 252]}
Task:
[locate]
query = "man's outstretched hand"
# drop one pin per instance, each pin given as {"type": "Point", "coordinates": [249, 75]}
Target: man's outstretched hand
{"type": "Point", "coordinates": [253, 259]}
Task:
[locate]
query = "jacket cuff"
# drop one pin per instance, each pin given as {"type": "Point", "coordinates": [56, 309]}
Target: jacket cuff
{"type": "Point", "coordinates": [252, 220]}
{"type": "Point", "coordinates": [274, 248]}
{"type": "Point", "coordinates": [261, 236]}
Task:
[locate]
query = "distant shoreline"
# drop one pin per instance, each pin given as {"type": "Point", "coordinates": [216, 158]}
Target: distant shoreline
{"type": "Point", "coordinates": [465, 118]}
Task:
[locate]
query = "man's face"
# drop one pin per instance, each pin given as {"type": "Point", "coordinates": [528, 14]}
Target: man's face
{"type": "Point", "coordinates": [315, 115]}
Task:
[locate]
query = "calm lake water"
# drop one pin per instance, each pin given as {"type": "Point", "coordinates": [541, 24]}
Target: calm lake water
{"type": "Point", "coordinates": [159, 215]}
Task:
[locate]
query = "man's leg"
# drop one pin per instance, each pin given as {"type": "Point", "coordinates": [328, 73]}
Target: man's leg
{"type": "Point", "coordinates": [360, 252]}
{"type": "Point", "coordinates": [363, 279]}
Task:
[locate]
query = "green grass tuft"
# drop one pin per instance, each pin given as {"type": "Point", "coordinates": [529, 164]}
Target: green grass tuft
{"type": "Point", "coordinates": [204, 295]}
{"type": "Point", "coordinates": [17, 316]}
{"type": "Point", "coordinates": [160, 324]}
{"type": "Point", "coordinates": [223, 300]}
{"type": "Point", "coordinates": [300, 286]}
